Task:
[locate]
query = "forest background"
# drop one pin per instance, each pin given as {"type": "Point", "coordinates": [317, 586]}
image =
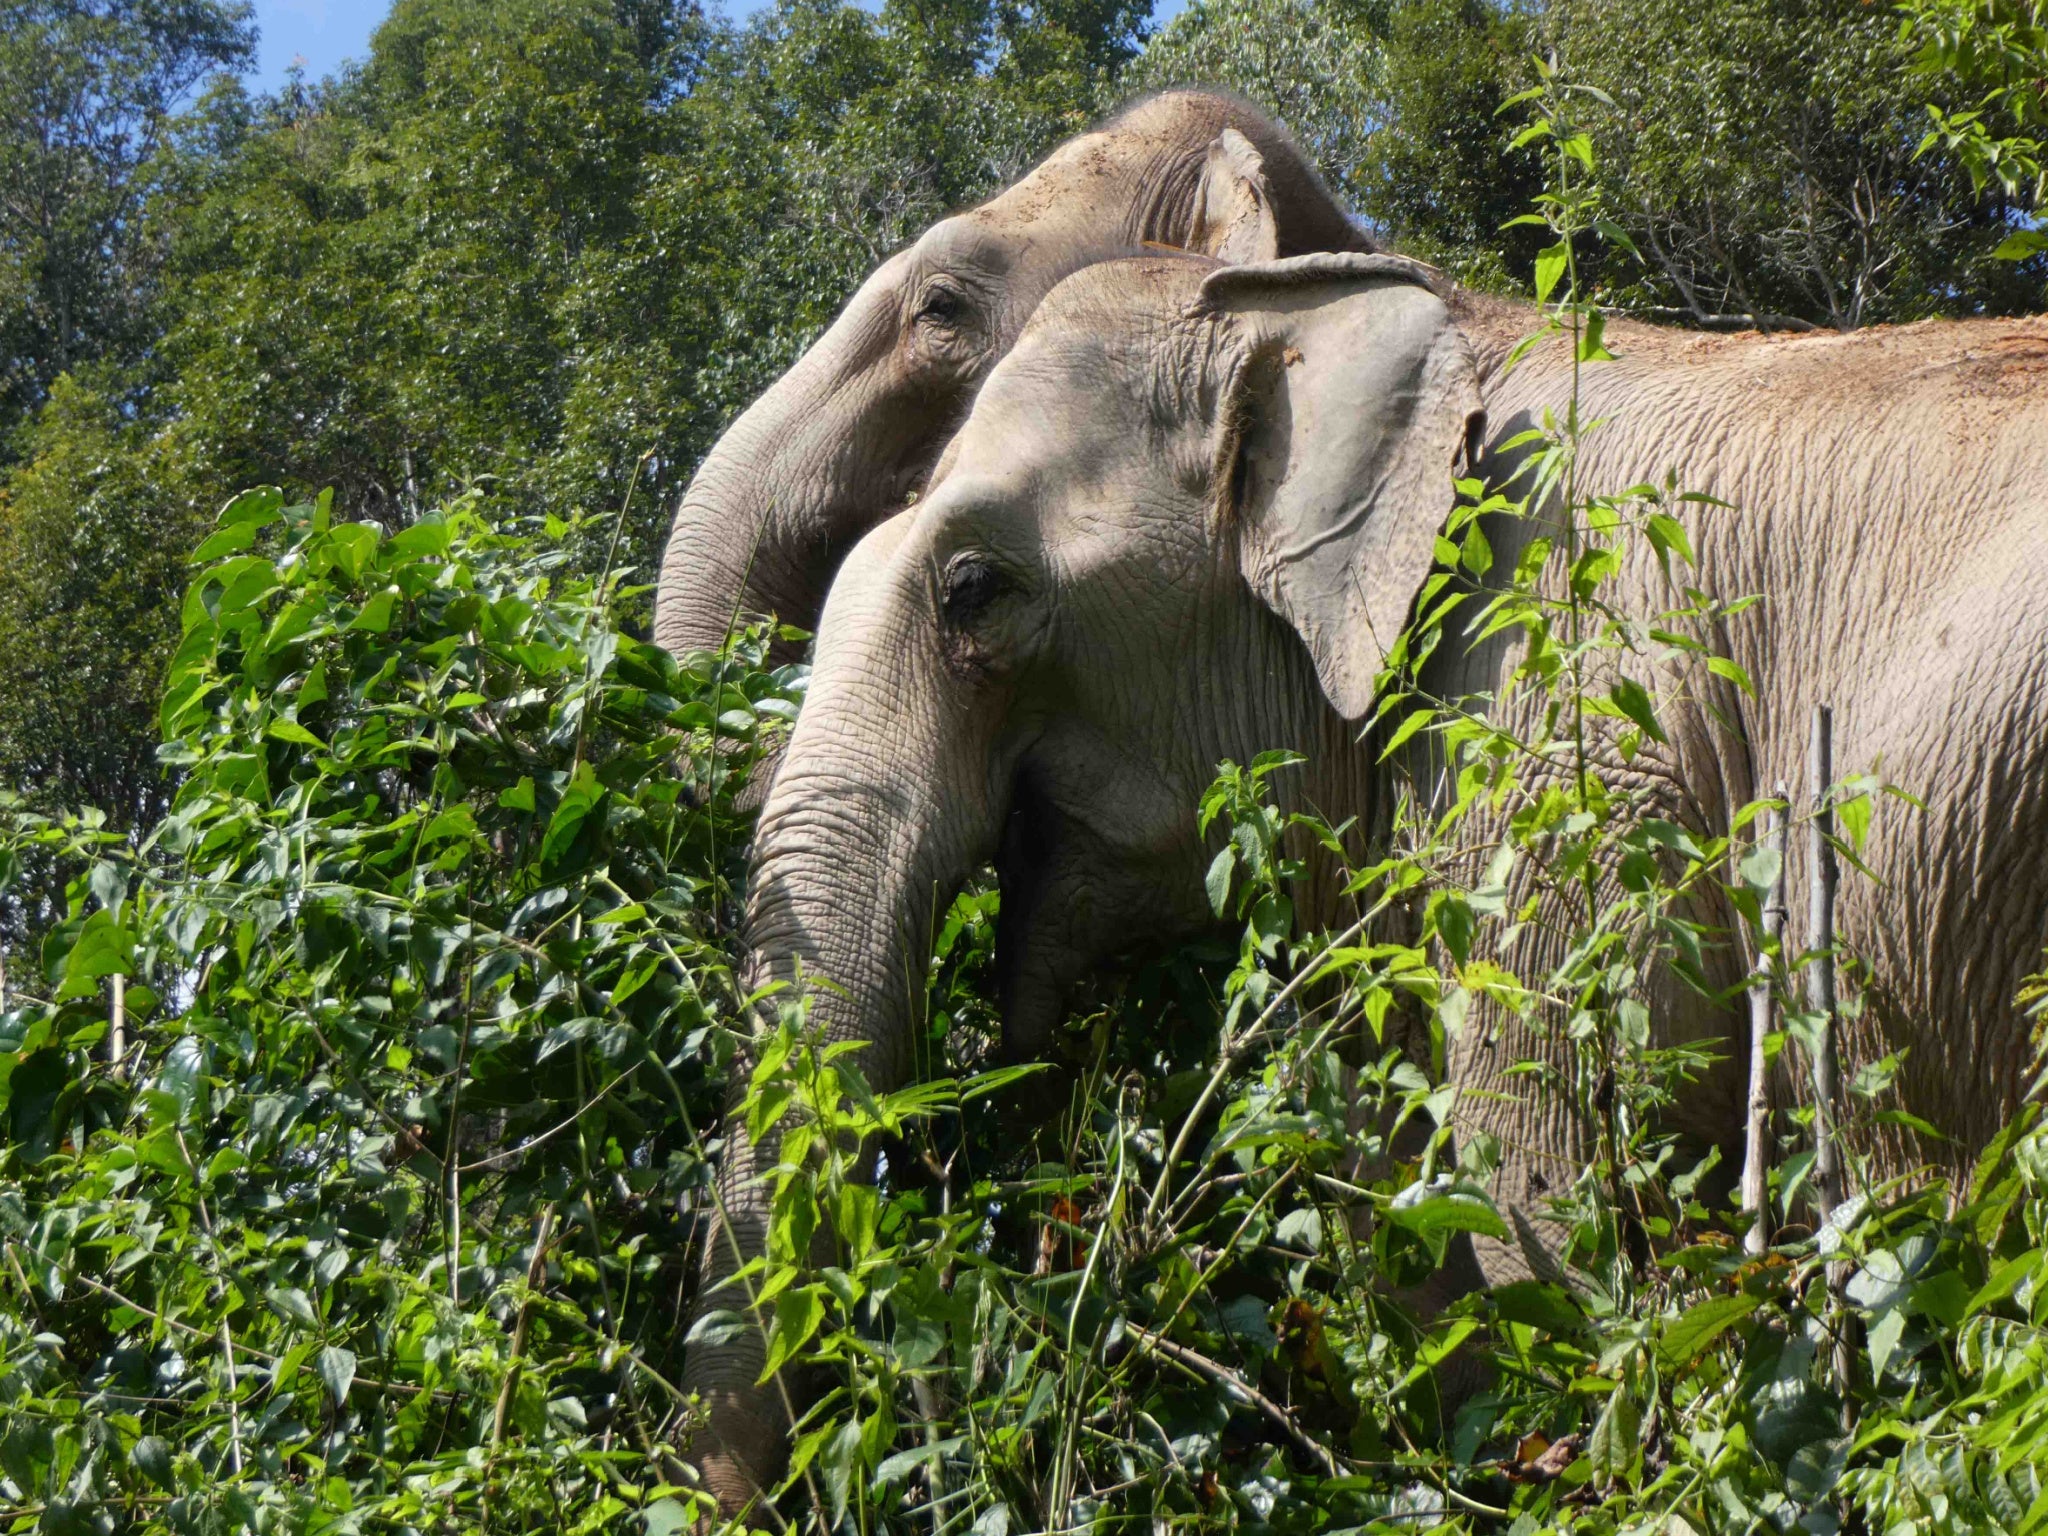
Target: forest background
{"type": "Point", "coordinates": [372, 888]}
{"type": "Point", "coordinates": [534, 247]}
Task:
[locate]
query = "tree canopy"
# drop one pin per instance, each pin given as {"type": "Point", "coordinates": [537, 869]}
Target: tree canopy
{"type": "Point", "coordinates": [545, 249]}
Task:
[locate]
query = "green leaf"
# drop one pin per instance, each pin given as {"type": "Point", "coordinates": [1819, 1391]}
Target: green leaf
{"type": "Point", "coordinates": [1722, 667]}
{"type": "Point", "coordinates": [1633, 700]}
{"type": "Point", "coordinates": [1693, 1333]}
{"type": "Point", "coordinates": [2021, 244]}
{"type": "Point", "coordinates": [1667, 537]}
{"type": "Point", "coordinates": [337, 1369]}
{"type": "Point", "coordinates": [294, 1305]}
{"type": "Point", "coordinates": [281, 729]}
{"type": "Point", "coordinates": [579, 802]}
{"type": "Point", "coordinates": [1760, 867]}
{"type": "Point", "coordinates": [1217, 881]}
{"type": "Point", "coordinates": [1450, 919]}
{"type": "Point", "coordinates": [2006, 1279]}
{"type": "Point", "coordinates": [1442, 1214]}
{"type": "Point", "coordinates": [1592, 340]}
{"type": "Point", "coordinates": [152, 1458]}
{"type": "Point", "coordinates": [1612, 1448]}
{"type": "Point", "coordinates": [1853, 816]}
{"type": "Point", "coordinates": [376, 613]}
{"type": "Point", "coordinates": [1477, 554]}
{"type": "Point", "coordinates": [799, 1313]}
{"type": "Point", "coordinates": [1883, 1340]}
{"type": "Point", "coordinates": [918, 1339]}
{"type": "Point", "coordinates": [103, 948]}
{"type": "Point", "coordinates": [1550, 269]}
{"type": "Point", "coordinates": [256, 508]}
{"type": "Point", "coordinates": [1537, 1304]}
{"type": "Point", "coordinates": [899, 1466]}
{"type": "Point", "coordinates": [351, 547]}
{"type": "Point", "coordinates": [1411, 722]}
{"type": "Point", "coordinates": [227, 541]}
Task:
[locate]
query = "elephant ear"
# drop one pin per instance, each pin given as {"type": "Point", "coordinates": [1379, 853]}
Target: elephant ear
{"type": "Point", "coordinates": [1233, 219]}
{"type": "Point", "coordinates": [1354, 406]}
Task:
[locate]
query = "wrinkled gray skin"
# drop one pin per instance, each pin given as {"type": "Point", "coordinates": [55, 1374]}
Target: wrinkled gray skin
{"type": "Point", "coordinates": [844, 438]}
{"type": "Point", "coordinates": [1888, 497]}
{"type": "Point", "coordinates": [1193, 504]}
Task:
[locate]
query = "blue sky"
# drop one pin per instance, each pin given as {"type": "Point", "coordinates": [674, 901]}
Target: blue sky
{"type": "Point", "coordinates": [322, 33]}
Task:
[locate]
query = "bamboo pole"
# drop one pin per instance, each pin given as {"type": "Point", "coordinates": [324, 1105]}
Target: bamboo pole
{"type": "Point", "coordinates": [1756, 1164]}
{"type": "Point", "coordinates": [1822, 873]}
{"type": "Point", "coordinates": [1820, 966]}
{"type": "Point", "coordinates": [117, 1023]}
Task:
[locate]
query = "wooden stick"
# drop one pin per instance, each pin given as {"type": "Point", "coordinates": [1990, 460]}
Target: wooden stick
{"type": "Point", "coordinates": [1820, 968]}
{"type": "Point", "coordinates": [1239, 1388]}
{"type": "Point", "coordinates": [117, 1023]}
{"type": "Point", "coordinates": [1756, 1165]}
{"type": "Point", "coordinates": [1827, 1068]}
{"type": "Point", "coordinates": [536, 1271]}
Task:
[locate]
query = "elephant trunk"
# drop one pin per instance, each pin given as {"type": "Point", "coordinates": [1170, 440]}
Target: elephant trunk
{"type": "Point", "coordinates": [868, 827]}
{"type": "Point", "coordinates": [789, 487]}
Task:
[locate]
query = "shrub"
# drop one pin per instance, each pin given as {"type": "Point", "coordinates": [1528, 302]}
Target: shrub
{"type": "Point", "coordinates": [351, 1152]}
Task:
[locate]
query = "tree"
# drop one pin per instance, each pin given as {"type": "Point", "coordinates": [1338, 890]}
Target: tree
{"type": "Point", "coordinates": [1768, 165]}
{"type": "Point", "coordinates": [94, 530]}
{"type": "Point", "coordinates": [1316, 65]}
{"type": "Point", "coordinates": [92, 89]}
{"type": "Point", "coordinates": [1996, 51]}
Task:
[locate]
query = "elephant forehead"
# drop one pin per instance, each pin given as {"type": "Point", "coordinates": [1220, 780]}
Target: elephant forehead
{"type": "Point", "coordinates": [968, 242]}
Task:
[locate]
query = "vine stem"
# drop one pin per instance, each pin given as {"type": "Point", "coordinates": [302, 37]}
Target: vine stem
{"type": "Point", "coordinates": [1227, 1058]}
{"type": "Point", "coordinates": [1223, 1375]}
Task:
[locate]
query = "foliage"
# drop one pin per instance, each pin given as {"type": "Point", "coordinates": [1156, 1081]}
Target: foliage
{"type": "Point", "coordinates": [1768, 165]}
{"type": "Point", "coordinates": [1999, 53]}
{"type": "Point", "coordinates": [89, 548]}
{"type": "Point", "coordinates": [1315, 65]}
{"type": "Point", "coordinates": [537, 249]}
{"type": "Point", "coordinates": [91, 88]}
{"type": "Point", "coordinates": [349, 1163]}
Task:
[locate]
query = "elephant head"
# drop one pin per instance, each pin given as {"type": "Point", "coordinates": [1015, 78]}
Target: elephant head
{"type": "Point", "coordinates": [849, 433]}
{"type": "Point", "coordinates": [1186, 518]}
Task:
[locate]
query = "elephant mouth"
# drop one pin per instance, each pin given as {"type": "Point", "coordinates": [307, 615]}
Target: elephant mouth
{"type": "Point", "coordinates": [1029, 987]}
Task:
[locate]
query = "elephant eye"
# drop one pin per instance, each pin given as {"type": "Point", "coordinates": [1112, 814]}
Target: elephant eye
{"type": "Point", "coordinates": [942, 304]}
{"type": "Point", "coordinates": [970, 584]}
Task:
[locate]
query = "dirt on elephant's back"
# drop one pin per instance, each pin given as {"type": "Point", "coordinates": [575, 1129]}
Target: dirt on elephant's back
{"type": "Point", "coordinates": [1981, 358]}
{"type": "Point", "coordinates": [2000, 358]}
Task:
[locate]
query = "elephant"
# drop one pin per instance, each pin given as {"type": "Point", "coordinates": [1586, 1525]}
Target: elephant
{"type": "Point", "coordinates": [1185, 520]}
{"type": "Point", "coordinates": [849, 432]}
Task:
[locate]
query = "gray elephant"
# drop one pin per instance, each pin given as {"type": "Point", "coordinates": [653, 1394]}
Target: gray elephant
{"type": "Point", "coordinates": [843, 438]}
{"type": "Point", "coordinates": [1192, 508]}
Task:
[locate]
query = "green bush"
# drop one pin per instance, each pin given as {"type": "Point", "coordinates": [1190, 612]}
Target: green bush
{"type": "Point", "coordinates": [349, 1157]}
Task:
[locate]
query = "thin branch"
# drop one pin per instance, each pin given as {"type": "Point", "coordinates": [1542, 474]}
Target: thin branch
{"type": "Point", "coordinates": [1202, 1365]}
